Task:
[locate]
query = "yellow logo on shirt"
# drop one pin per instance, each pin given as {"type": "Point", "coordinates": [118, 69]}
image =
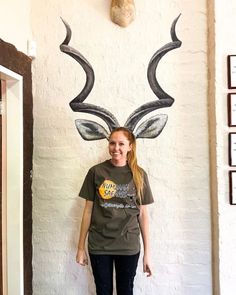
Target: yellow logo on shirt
{"type": "Point", "coordinates": [107, 189]}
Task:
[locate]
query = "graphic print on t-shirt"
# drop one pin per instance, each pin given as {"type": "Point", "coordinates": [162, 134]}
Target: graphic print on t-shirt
{"type": "Point", "coordinates": [107, 189]}
{"type": "Point", "coordinates": [124, 194]}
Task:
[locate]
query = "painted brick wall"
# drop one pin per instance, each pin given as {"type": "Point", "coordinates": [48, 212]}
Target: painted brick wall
{"type": "Point", "coordinates": [177, 161]}
{"type": "Point", "coordinates": [226, 44]}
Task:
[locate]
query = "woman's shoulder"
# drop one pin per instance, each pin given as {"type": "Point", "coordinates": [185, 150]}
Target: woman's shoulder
{"type": "Point", "coordinates": [143, 171]}
{"type": "Point", "coordinates": [99, 165]}
{"type": "Point", "coordinates": [145, 175]}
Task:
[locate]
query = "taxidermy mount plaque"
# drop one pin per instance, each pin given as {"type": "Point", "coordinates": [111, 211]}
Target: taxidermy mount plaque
{"type": "Point", "coordinates": [122, 12]}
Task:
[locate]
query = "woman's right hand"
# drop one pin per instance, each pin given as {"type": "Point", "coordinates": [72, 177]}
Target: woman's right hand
{"type": "Point", "coordinates": [81, 257]}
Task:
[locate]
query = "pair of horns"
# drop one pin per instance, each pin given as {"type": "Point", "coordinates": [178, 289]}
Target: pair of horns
{"type": "Point", "coordinates": [152, 127]}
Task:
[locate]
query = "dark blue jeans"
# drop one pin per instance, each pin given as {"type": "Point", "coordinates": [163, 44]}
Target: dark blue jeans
{"type": "Point", "coordinates": [125, 266]}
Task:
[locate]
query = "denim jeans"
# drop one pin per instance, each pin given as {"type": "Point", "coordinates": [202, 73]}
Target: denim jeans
{"type": "Point", "coordinates": [125, 267]}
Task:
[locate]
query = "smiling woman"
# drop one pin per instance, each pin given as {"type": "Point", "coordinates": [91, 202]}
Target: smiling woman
{"type": "Point", "coordinates": [116, 193]}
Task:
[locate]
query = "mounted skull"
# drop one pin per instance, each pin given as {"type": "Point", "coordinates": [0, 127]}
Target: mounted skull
{"type": "Point", "coordinates": [151, 128]}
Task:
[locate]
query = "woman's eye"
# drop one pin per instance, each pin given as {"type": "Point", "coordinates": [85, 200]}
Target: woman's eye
{"type": "Point", "coordinates": [121, 143]}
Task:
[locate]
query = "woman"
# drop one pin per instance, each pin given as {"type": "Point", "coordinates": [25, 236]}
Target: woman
{"type": "Point", "coordinates": [116, 192]}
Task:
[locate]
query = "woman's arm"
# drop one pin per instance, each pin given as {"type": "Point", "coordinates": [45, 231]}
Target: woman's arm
{"type": "Point", "coordinates": [144, 227]}
{"type": "Point", "coordinates": [81, 256]}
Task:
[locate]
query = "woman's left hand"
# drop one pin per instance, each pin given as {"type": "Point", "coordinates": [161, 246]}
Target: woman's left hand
{"type": "Point", "coordinates": [147, 266]}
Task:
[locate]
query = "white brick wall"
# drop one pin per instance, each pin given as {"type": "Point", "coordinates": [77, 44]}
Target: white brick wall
{"type": "Point", "coordinates": [177, 161]}
{"type": "Point", "coordinates": [226, 44]}
{"type": "Point", "coordinates": [180, 218]}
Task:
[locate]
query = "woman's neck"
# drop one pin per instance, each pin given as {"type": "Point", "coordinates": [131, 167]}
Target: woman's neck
{"type": "Point", "coordinates": [118, 163]}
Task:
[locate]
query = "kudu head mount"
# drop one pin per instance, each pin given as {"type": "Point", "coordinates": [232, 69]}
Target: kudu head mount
{"type": "Point", "coordinates": [152, 127]}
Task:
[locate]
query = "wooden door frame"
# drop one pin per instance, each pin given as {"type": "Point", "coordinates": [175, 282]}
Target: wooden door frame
{"type": "Point", "coordinates": [12, 180]}
{"type": "Point", "coordinates": [20, 63]}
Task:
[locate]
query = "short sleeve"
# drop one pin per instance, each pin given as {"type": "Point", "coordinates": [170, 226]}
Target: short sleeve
{"type": "Point", "coordinates": [88, 189]}
{"type": "Point", "coordinates": [147, 193]}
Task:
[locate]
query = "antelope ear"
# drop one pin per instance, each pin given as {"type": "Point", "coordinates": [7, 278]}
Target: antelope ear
{"type": "Point", "coordinates": [152, 127]}
{"type": "Point", "coordinates": [90, 130]}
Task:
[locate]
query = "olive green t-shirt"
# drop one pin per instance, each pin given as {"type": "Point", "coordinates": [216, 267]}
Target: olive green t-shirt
{"type": "Point", "coordinates": [114, 227]}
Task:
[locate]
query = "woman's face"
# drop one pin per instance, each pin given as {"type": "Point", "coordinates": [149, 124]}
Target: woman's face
{"type": "Point", "coordinates": [119, 146]}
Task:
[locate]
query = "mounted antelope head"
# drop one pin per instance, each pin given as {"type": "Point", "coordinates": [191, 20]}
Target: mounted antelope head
{"type": "Point", "coordinates": [122, 12]}
{"type": "Point", "coordinates": [151, 128]}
